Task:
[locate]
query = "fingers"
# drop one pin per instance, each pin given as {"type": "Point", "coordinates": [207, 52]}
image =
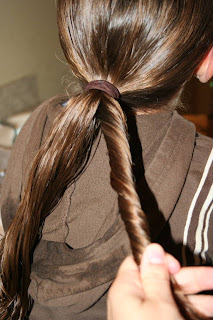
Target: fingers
{"type": "Point", "coordinates": [195, 279]}
{"type": "Point", "coordinates": [128, 274]}
{"type": "Point", "coordinates": [173, 264]}
{"type": "Point", "coordinates": [203, 303]}
{"type": "Point", "coordinates": [155, 274]}
{"type": "Point", "coordinates": [127, 265]}
{"type": "Point", "coordinates": [145, 294]}
{"type": "Point", "coordinates": [127, 281]}
{"type": "Point", "coordinates": [126, 293]}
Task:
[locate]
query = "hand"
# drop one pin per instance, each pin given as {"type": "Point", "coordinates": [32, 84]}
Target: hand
{"type": "Point", "coordinates": [193, 280]}
{"type": "Point", "coordinates": [144, 294]}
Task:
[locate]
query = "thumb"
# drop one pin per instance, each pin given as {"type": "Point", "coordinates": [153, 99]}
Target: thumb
{"type": "Point", "coordinates": [155, 275]}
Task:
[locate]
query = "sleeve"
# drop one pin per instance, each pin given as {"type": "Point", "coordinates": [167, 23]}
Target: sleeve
{"type": "Point", "coordinates": [22, 154]}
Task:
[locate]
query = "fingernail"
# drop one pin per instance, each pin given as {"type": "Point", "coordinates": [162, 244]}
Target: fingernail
{"type": "Point", "coordinates": [155, 254]}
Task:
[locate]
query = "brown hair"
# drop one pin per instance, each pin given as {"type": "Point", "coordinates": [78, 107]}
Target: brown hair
{"type": "Point", "coordinates": [148, 50]}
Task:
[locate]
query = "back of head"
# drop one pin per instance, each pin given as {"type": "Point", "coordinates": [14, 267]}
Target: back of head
{"type": "Point", "coordinates": [148, 50]}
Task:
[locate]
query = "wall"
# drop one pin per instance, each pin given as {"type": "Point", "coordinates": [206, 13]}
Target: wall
{"type": "Point", "coordinates": [29, 44]}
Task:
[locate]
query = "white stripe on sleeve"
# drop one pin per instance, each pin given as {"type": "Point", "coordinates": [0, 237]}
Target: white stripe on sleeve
{"type": "Point", "coordinates": [193, 203]}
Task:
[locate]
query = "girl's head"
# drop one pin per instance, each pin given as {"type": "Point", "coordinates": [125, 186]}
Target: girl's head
{"type": "Point", "coordinates": [147, 49]}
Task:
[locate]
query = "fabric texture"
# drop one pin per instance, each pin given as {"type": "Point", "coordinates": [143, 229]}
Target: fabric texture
{"type": "Point", "coordinates": [84, 240]}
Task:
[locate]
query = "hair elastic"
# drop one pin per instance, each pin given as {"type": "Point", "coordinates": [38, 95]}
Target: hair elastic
{"type": "Point", "coordinates": [105, 86]}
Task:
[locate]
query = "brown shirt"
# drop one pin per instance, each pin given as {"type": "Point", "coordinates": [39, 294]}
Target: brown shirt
{"type": "Point", "coordinates": [84, 240]}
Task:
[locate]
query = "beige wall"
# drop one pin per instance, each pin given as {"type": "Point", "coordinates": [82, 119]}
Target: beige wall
{"type": "Point", "coordinates": [29, 44]}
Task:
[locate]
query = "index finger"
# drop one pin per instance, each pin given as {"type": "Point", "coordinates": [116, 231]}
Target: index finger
{"type": "Point", "coordinates": [195, 279]}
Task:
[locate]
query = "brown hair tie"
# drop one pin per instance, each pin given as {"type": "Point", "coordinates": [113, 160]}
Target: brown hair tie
{"type": "Point", "coordinates": [105, 86]}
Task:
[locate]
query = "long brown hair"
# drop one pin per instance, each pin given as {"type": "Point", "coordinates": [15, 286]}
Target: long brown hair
{"type": "Point", "coordinates": [148, 50]}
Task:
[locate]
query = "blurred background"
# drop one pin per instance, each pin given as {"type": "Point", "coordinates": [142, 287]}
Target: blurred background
{"type": "Point", "coordinates": [32, 69]}
{"type": "Point", "coordinates": [30, 66]}
{"type": "Point", "coordinates": [29, 50]}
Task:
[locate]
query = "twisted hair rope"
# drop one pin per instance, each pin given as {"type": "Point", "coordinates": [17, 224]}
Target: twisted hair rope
{"type": "Point", "coordinates": [113, 126]}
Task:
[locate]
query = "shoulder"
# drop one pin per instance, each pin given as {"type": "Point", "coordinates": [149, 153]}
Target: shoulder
{"type": "Point", "coordinates": [40, 120]}
{"type": "Point", "coordinates": [203, 149]}
{"type": "Point", "coordinates": [23, 152]}
{"type": "Point", "coordinates": [204, 140]}
{"type": "Point", "coordinates": [203, 145]}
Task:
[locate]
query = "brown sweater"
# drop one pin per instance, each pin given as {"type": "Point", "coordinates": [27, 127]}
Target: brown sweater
{"type": "Point", "coordinates": [84, 240]}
